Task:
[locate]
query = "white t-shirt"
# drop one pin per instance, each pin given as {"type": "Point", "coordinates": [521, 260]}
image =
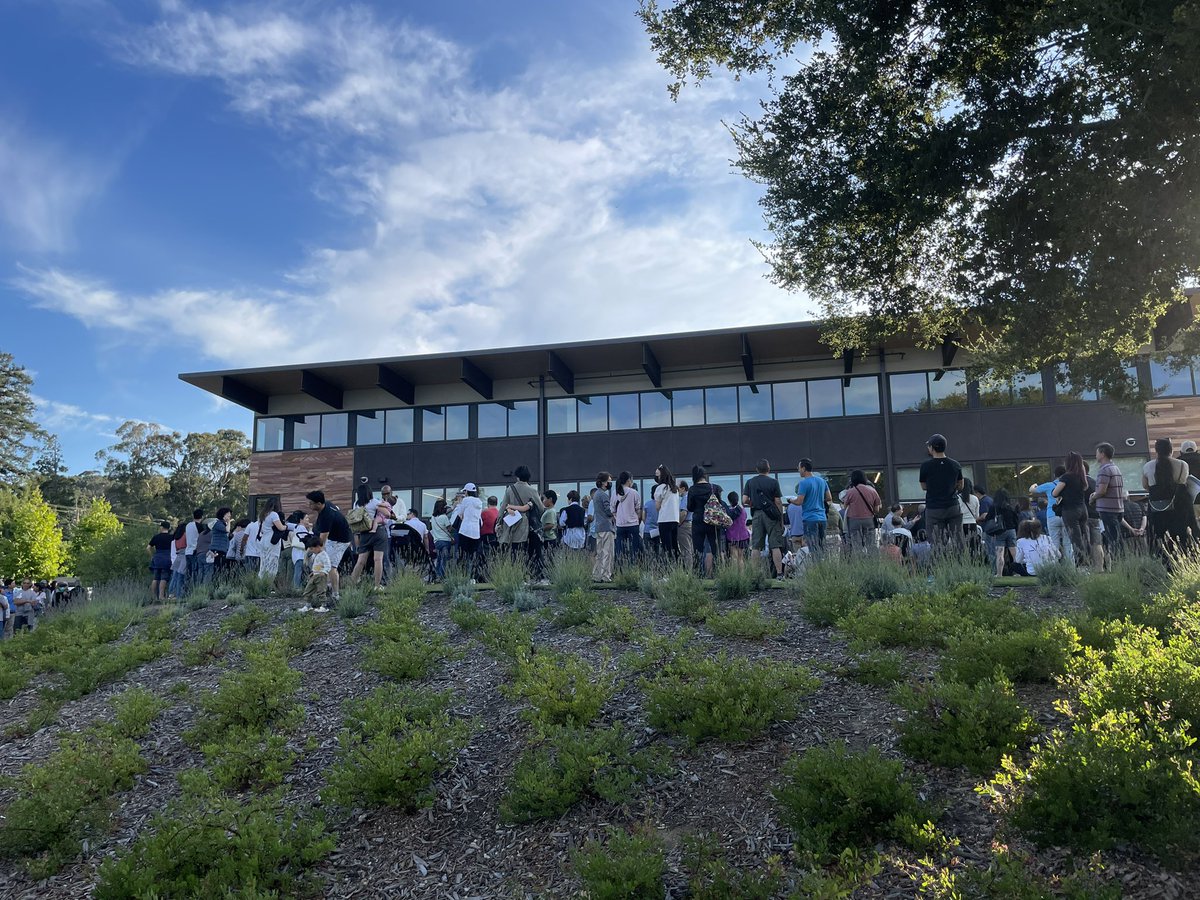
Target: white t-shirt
{"type": "Point", "coordinates": [1180, 471]}
{"type": "Point", "coordinates": [264, 532]}
{"type": "Point", "coordinates": [252, 540]}
{"type": "Point", "coordinates": [668, 503]}
{"type": "Point", "coordinates": [471, 509]}
{"type": "Point", "coordinates": [1035, 553]}
{"type": "Point", "coordinates": [192, 534]}
{"type": "Point", "coordinates": [321, 563]}
{"type": "Point", "coordinates": [417, 525]}
{"type": "Point", "coordinates": [301, 532]}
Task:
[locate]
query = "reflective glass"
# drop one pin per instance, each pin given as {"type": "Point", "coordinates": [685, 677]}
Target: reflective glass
{"type": "Point", "coordinates": [1027, 388]}
{"type": "Point", "coordinates": [560, 415]}
{"type": "Point", "coordinates": [430, 496]}
{"type": "Point", "coordinates": [862, 396]}
{"type": "Point", "coordinates": [457, 423]}
{"type": "Point", "coordinates": [720, 405]}
{"type": "Point", "coordinates": [306, 432]}
{"type": "Point", "coordinates": [948, 392]}
{"type": "Point", "coordinates": [433, 424]}
{"type": "Point", "coordinates": [909, 392]}
{"type": "Point", "coordinates": [656, 410]}
{"type": "Point", "coordinates": [268, 434]}
{"type": "Point", "coordinates": [1065, 391]}
{"type": "Point", "coordinates": [399, 426]}
{"type": "Point", "coordinates": [754, 407]}
{"type": "Point", "coordinates": [522, 419]}
{"type": "Point", "coordinates": [622, 411]}
{"type": "Point", "coordinates": [493, 420]}
{"type": "Point", "coordinates": [825, 398]}
{"type": "Point", "coordinates": [491, 490]}
{"type": "Point", "coordinates": [994, 392]}
{"type": "Point", "coordinates": [334, 430]}
{"type": "Point", "coordinates": [368, 428]}
{"type": "Point", "coordinates": [687, 407]}
{"type": "Point", "coordinates": [908, 482]}
{"type": "Point", "coordinates": [791, 401]}
{"type": "Point", "coordinates": [593, 413]}
{"type": "Point", "coordinates": [1168, 383]}
{"type": "Point", "coordinates": [562, 488]}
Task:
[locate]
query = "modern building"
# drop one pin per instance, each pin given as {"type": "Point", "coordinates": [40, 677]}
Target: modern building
{"type": "Point", "coordinates": [721, 399]}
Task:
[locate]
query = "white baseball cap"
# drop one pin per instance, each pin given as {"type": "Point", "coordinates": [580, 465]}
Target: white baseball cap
{"type": "Point", "coordinates": [470, 486]}
{"type": "Point", "coordinates": [1187, 447]}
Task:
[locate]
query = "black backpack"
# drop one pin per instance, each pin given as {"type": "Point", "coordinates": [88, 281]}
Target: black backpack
{"type": "Point", "coordinates": [574, 516]}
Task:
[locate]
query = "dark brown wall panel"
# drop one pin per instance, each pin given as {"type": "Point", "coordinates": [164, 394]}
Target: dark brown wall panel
{"type": "Point", "coordinates": [294, 473]}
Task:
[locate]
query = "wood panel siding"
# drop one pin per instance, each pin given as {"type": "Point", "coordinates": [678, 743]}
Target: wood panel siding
{"type": "Point", "coordinates": [1177, 418]}
{"type": "Point", "coordinates": [294, 473]}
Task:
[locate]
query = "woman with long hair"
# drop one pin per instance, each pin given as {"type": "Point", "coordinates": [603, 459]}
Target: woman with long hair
{"type": "Point", "coordinates": [863, 504]}
{"type": "Point", "coordinates": [1003, 530]}
{"type": "Point", "coordinates": [1070, 494]}
{"type": "Point", "coordinates": [271, 532]}
{"type": "Point", "coordinates": [1172, 515]}
{"type": "Point", "coordinates": [666, 502]}
{"type": "Point", "coordinates": [627, 515]}
{"type": "Point", "coordinates": [702, 533]}
{"type": "Point", "coordinates": [374, 542]}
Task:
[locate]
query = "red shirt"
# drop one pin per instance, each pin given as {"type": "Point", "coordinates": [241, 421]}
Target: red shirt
{"type": "Point", "coordinates": [487, 520]}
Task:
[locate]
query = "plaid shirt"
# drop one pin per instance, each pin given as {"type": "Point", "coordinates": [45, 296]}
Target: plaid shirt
{"type": "Point", "coordinates": [1113, 500]}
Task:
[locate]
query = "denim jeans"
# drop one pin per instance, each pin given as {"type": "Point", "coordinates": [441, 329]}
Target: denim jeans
{"type": "Point", "coordinates": [442, 548]}
{"type": "Point", "coordinates": [1059, 538]}
{"type": "Point", "coordinates": [629, 541]}
{"type": "Point", "coordinates": [814, 536]}
{"type": "Point", "coordinates": [177, 585]}
{"type": "Point", "coordinates": [298, 573]}
{"type": "Point", "coordinates": [1113, 535]}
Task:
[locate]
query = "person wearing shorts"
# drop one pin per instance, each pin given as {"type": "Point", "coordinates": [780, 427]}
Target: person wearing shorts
{"type": "Point", "coordinates": [766, 502]}
{"type": "Point", "coordinates": [334, 530]}
{"type": "Point", "coordinates": [159, 549]}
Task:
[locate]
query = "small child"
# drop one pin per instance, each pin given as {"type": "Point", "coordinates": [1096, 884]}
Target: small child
{"type": "Point", "coordinates": [318, 564]}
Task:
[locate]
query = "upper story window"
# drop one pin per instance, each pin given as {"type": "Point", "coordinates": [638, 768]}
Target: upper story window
{"type": "Point", "coordinates": [268, 434]}
{"type": "Point", "coordinates": [1169, 382]}
{"type": "Point", "coordinates": [445, 423]}
{"type": "Point", "coordinates": [924, 391]}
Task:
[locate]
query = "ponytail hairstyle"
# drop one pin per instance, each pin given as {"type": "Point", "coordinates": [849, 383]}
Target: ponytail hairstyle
{"type": "Point", "coordinates": [622, 479]}
{"type": "Point", "coordinates": [698, 474]}
{"type": "Point", "coordinates": [1164, 473]}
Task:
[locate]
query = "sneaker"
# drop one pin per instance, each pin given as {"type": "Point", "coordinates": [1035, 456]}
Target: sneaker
{"type": "Point", "coordinates": [305, 608]}
{"type": "Point", "coordinates": [321, 609]}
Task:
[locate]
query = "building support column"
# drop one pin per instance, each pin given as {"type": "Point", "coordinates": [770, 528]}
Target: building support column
{"type": "Point", "coordinates": [885, 394]}
{"type": "Point", "coordinates": [542, 477]}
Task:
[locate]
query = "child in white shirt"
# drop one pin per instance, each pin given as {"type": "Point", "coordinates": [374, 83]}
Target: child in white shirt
{"type": "Point", "coordinates": [318, 564]}
{"type": "Point", "coordinates": [1034, 549]}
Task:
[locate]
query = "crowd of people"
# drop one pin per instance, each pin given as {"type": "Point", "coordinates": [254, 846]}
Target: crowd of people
{"type": "Point", "coordinates": [1086, 519]}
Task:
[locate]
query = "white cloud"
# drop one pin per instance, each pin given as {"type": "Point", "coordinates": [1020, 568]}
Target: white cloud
{"type": "Point", "coordinates": [57, 417]}
{"type": "Point", "coordinates": [566, 203]}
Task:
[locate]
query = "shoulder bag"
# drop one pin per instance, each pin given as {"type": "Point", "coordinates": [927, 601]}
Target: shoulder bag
{"type": "Point", "coordinates": [866, 503]}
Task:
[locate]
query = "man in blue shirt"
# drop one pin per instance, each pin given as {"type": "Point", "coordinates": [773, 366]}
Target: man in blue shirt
{"type": "Point", "coordinates": [812, 494]}
{"type": "Point", "coordinates": [1054, 524]}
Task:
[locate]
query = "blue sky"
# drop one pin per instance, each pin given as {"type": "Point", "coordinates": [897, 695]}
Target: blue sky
{"type": "Point", "coordinates": [190, 186]}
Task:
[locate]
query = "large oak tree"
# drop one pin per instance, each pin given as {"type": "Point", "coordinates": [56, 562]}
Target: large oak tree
{"type": "Point", "coordinates": [1025, 174]}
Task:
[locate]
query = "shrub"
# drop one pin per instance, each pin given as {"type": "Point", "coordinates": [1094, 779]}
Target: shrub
{"type": "Point", "coordinates": [509, 635]}
{"type": "Point", "coordinates": [561, 688]}
{"type": "Point", "coordinates": [745, 623]}
{"type": "Point", "coordinates": [1059, 574]}
{"type": "Point", "coordinates": [259, 696]}
{"type": "Point", "coordinates": [953, 724]}
{"type": "Point", "coordinates": [525, 600]}
{"type": "Point", "coordinates": [468, 616]}
{"type": "Point", "coordinates": [400, 647]}
{"type": "Point", "coordinates": [353, 602]}
{"type": "Point", "coordinates": [1007, 876]}
{"type": "Point", "coordinates": [85, 668]}
{"type": "Point", "coordinates": [576, 607]}
{"type": "Point", "coordinates": [627, 867]}
{"type": "Point", "coordinates": [682, 593]}
{"type": "Point", "coordinates": [244, 757]}
{"type": "Point", "coordinates": [570, 572]}
{"type": "Point", "coordinates": [931, 620]}
{"type": "Point", "coordinates": [731, 699]}
{"type": "Point", "coordinates": [842, 877]}
{"type": "Point", "coordinates": [405, 585]}
{"type": "Point", "coordinates": [247, 620]}
{"type": "Point", "coordinates": [878, 668]}
{"type": "Point", "coordinates": [1037, 653]}
{"type": "Point", "coordinates": [828, 592]}
{"type": "Point", "coordinates": [507, 576]}
{"type": "Point", "coordinates": [959, 569]}
{"type": "Point", "coordinates": [628, 577]}
{"type": "Point", "coordinates": [213, 845]}
{"type": "Point", "coordinates": [116, 556]}
{"type": "Point", "coordinates": [658, 649]}
{"type": "Point", "coordinates": [573, 763]}
{"type": "Point", "coordinates": [611, 622]}
{"type": "Point", "coordinates": [206, 648]}
{"type": "Point", "coordinates": [735, 582]}
{"type": "Point", "coordinates": [66, 799]}
{"type": "Point", "coordinates": [456, 580]}
{"type": "Point", "coordinates": [711, 877]}
{"type": "Point", "coordinates": [1118, 777]}
{"type": "Point", "coordinates": [300, 631]}
{"type": "Point", "coordinates": [876, 578]}
{"type": "Point", "coordinates": [1113, 596]}
{"type": "Point", "coordinates": [833, 798]}
{"type": "Point", "coordinates": [393, 743]}
{"type": "Point", "coordinates": [197, 601]}
{"type": "Point", "coordinates": [134, 710]}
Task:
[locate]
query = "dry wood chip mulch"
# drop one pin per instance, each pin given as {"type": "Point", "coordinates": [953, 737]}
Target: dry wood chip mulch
{"type": "Point", "coordinates": [458, 849]}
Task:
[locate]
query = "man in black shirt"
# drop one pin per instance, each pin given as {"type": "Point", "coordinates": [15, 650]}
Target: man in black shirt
{"type": "Point", "coordinates": [766, 503]}
{"type": "Point", "coordinates": [941, 480]}
{"type": "Point", "coordinates": [329, 522]}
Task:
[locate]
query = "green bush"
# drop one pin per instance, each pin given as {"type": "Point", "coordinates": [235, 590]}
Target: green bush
{"type": "Point", "coordinates": [832, 798]}
{"type": "Point", "coordinates": [576, 607]}
{"type": "Point", "coordinates": [747, 623]}
{"type": "Point", "coordinates": [134, 710]}
{"type": "Point", "coordinates": [731, 699]}
{"type": "Point", "coordinates": [117, 556]}
{"type": "Point", "coordinates": [245, 757]}
{"type": "Point", "coordinates": [84, 668]}
{"type": "Point", "coordinates": [962, 568]}
{"type": "Point", "coordinates": [735, 582]}
{"type": "Point", "coordinates": [206, 648]}
{"type": "Point", "coordinates": [628, 577]}
{"type": "Point", "coordinates": [574, 763]}
{"type": "Point", "coordinates": [259, 696]}
{"type": "Point", "coordinates": [876, 578]}
{"type": "Point", "coordinates": [1007, 876]}
{"type": "Point", "coordinates": [393, 743]}
{"type": "Point", "coordinates": [932, 620]}
{"type": "Point", "coordinates": [400, 647]}
{"type": "Point", "coordinates": [627, 867]}
{"type": "Point", "coordinates": [1059, 574]}
{"type": "Point", "coordinates": [508, 576]}
{"type": "Point", "coordinates": [509, 636]}
{"type": "Point", "coordinates": [878, 668]}
{"type": "Point", "coordinates": [954, 724]}
{"type": "Point", "coordinates": [561, 689]}
{"type": "Point", "coordinates": [247, 620]}
{"type": "Point", "coordinates": [569, 572]}
{"type": "Point", "coordinates": [468, 616]}
{"type": "Point", "coordinates": [682, 593]}
{"type": "Point", "coordinates": [1038, 653]}
{"type": "Point", "coordinates": [827, 592]}
{"type": "Point", "coordinates": [405, 585]}
{"type": "Point", "coordinates": [353, 602]}
{"type": "Point", "coordinates": [1119, 777]}
{"type": "Point", "coordinates": [214, 845]}
{"type": "Point", "coordinates": [456, 580]}
{"type": "Point", "coordinates": [1112, 596]}
{"type": "Point", "coordinates": [611, 622]}
{"type": "Point", "coordinates": [711, 877]}
{"type": "Point", "coordinates": [300, 631]}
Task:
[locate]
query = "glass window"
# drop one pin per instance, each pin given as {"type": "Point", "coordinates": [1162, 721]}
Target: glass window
{"type": "Point", "coordinates": [493, 420]}
{"type": "Point", "coordinates": [862, 396]}
{"type": "Point", "coordinates": [1015, 478]}
{"type": "Point", "coordinates": [1027, 388]}
{"type": "Point", "coordinates": [687, 407]}
{"type": "Point", "coordinates": [908, 483]}
{"type": "Point", "coordinates": [398, 426]}
{"type": "Point", "coordinates": [430, 496]}
{"type": "Point", "coordinates": [1131, 471]}
{"type": "Point", "coordinates": [306, 432]}
{"type": "Point", "coordinates": [433, 424]}
{"type": "Point", "coordinates": [791, 401]}
{"type": "Point", "coordinates": [268, 434]}
{"type": "Point", "coordinates": [754, 403]}
{"type": "Point", "coordinates": [562, 488]}
{"type": "Point", "coordinates": [623, 411]}
{"type": "Point", "coordinates": [560, 415]}
{"type": "Point", "coordinates": [1065, 391]}
{"type": "Point", "coordinates": [656, 410]}
{"type": "Point", "coordinates": [949, 391]}
{"type": "Point", "coordinates": [457, 423]}
{"type": "Point", "coordinates": [825, 398]}
{"type": "Point", "coordinates": [909, 392]}
{"type": "Point", "coordinates": [368, 428]}
{"type": "Point", "coordinates": [994, 392]}
{"type": "Point", "coordinates": [593, 413]}
{"type": "Point", "coordinates": [522, 419]}
{"type": "Point", "coordinates": [334, 430]}
{"type": "Point", "coordinates": [720, 405]}
{"type": "Point", "coordinates": [491, 490]}
{"type": "Point", "coordinates": [1168, 383]}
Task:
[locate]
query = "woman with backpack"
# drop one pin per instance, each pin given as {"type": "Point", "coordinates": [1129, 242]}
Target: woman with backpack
{"type": "Point", "coordinates": [1172, 515]}
{"type": "Point", "coordinates": [375, 539]}
{"type": "Point", "coordinates": [705, 509]}
{"type": "Point", "coordinates": [862, 506]}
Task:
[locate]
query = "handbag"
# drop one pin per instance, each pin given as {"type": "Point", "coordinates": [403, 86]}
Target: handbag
{"type": "Point", "coordinates": [714, 513]}
{"type": "Point", "coordinates": [995, 525]}
{"type": "Point", "coordinates": [359, 520]}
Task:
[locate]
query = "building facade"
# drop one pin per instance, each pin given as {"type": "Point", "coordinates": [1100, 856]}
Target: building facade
{"type": "Point", "coordinates": [721, 399]}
